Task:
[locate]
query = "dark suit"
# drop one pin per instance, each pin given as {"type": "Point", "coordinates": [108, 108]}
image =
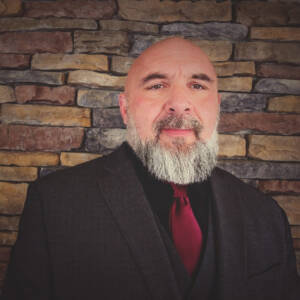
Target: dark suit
{"type": "Point", "coordinates": [88, 232]}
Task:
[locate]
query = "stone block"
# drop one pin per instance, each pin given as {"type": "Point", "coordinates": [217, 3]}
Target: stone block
{"type": "Point", "coordinates": [208, 31]}
{"type": "Point", "coordinates": [22, 24]}
{"type": "Point", "coordinates": [279, 186]}
{"type": "Point", "coordinates": [107, 118]}
{"type": "Point", "coordinates": [10, 7]}
{"type": "Point", "coordinates": [10, 223]}
{"type": "Point", "coordinates": [7, 94]}
{"type": "Point", "coordinates": [8, 238]}
{"type": "Point", "coordinates": [294, 15]}
{"type": "Point", "coordinates": [278, 86]}
{"type": "Point", "coordinates": [100, 140]}
{"type": "Point", "coordinates": [231, 145]}
{"type": "Point", "coordinates": [285, 104]}
{"type": "Point", "coordinates": [291, 205]}
{"type": "Point", "coordinates": [240, 102]}
{"type": "Point", "coordinates": [45, 115]}
{"type": "Point", "coordinates": [5, 254]}
{"type": "Point", "coordinates": [62, 95]}
{"type": "Point", "coordinates": [34, 138]}
{"type": "Point", "coordinates": [112, 42]}
{"type": "Point", "coordinates": [71, 159]}
{"type": "Point", "coordinates": [260, 122]}
{"type": "Point", "coordinates": [295, 230]}
{"type": "Point", "coordinates": [230, 68]}
{"type": "Point", "coordinates": [171, 11]}
{"type": "Point", "coordinates": [28, 76]}
{"type": "Point", "coordinates": [261, 170]}
{"type": "Point", "coordinates": [48, 61]}
{"type": "Point", "coordinates": [261, 13]}
{"type": "Point", "coordinates": [275, 33]}
{"type": "Point", "coordinates": [235, 84]}
{"type": "Point", "coordinates": [278, 71]}
{"type": "Point", "coordinates": [129, 26]}
{"type": "Point", "coordinates": [216, 50]}
{"type": "Point", "coordinates": [121, 64]}
{"type": "Point", "coordinates": [26, 159]}
{"type": "Point", "coordinates": [281, 148]}
{"type": "Point", "coordinates": [12, 197]}
{"type": "Point", "coordinates": [10, 61]}
{"type": "Point", "coordinates": [48, 170]}
{"type": "Point", "coordinates": [93, 79]}
{"type": "Point", "coordinates": [90, 9]}
{"type": "Point", "coordinates": [21, 174]}
{"type": "Point", "coordinates": [98, 98]}
{"type": "Point", "coordinates": [267, 51]}
{"type": "Point", "coordinates": [32, 42]}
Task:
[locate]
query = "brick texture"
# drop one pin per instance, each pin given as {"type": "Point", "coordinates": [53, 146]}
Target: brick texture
{"type": "Point", "coordinates": [71, 159]}
{"type": "Point", "coordinates": [291, 205]}
{"type": "Point", "coordinates": [14, 61]}
{"type": "Point", "coordinates": [279, 71]}
{"type": "Point", "coordinates": [31, 42]}
{"type": "Point", "coordinates": [279, 186]}
{"type": "Point", "coordinates": [10, 7]}
{"type": "Point", "coordinates": [43, 94]}
{"type": "Point", "coordinates": [275, 33]}
{"type": "Point", "coordinates": [231, 145]}
{"type": "Point", "coordinates": [7, 94]}
{"type": "Point", "coordinates": [285, 104]}
{"type": "Point", "coordinates": [18, 173]}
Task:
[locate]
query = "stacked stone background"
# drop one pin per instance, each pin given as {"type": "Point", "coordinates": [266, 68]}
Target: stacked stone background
{"type": "Point", "coordinates": [63, 63]}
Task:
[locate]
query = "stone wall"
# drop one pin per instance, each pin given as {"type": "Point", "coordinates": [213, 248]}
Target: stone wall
{"type": "Point", "coordinates": [63, 63]}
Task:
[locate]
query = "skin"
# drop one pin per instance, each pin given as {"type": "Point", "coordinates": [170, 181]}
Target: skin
{"type": "Point", "coordinates": [172, 77]}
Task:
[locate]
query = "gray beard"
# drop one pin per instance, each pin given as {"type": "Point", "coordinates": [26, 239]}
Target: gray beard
{"type": "Point", "coordinates": [182, 165]}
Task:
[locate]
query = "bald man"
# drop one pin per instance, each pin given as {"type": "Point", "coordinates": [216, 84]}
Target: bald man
{"type": "Point", "coordinates": [156, 219]}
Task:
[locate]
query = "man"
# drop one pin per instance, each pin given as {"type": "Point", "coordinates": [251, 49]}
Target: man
{"type": "Point", "coordinates": [155, 219]}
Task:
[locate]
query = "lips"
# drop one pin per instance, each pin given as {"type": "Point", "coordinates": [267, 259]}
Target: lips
{"type": "Point", "coordinates": [177, 131]}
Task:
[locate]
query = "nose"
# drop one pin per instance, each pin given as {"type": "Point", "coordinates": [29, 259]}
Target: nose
{"type": "Point", "coordinates": [178, 103]}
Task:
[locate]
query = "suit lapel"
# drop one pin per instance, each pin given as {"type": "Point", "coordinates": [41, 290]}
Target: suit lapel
{"type": "Point", "coordinates": [230, 237]}
{"type": "Point", "coordinates": [125, 197]}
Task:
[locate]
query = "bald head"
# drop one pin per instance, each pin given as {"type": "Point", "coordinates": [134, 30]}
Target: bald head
{"type": "Point", "coordinates": [174, 50]}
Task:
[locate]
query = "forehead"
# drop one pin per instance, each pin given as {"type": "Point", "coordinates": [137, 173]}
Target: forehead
{"type": "Point", "coordinates": [171, 59]}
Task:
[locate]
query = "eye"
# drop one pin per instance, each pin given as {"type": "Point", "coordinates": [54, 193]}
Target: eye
{"type": "Point", "coordinates": [156, 86]}
{"type": "Point", "coordinates": [197, 86]}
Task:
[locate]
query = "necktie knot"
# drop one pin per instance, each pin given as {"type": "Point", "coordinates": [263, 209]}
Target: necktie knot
{"type": "Point", "coordinates": [180, 192]}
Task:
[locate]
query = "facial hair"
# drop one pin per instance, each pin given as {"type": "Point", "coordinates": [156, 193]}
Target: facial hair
{"type": "Point", "coordinates": [183, 164]}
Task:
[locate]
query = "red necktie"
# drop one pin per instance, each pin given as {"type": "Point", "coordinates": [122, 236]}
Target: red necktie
{"type": "Point", "coordinates": [186, 233]}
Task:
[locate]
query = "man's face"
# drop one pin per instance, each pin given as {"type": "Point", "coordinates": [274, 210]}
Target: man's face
{"type": "Point", "coordinates": [171, 93]}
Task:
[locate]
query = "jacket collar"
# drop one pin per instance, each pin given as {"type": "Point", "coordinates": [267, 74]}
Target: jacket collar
{"type": "Point", "coordinates": [125, 198]}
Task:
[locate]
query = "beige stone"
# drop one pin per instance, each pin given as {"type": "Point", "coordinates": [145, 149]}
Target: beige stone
{"type": "Point", "coordinates": [10, 7]}
{"type": "Point", "coordinates": [121, 64]}
{"type": "Point", "coordinates": [295, 231]}
{"type": "Point", "coordinates": [101, 41]}
{"type": "Point", "coordinates": [26, 159]}
{"type": "Point", "coordinates": [128, 26]}
{"type": "Point", "coordinates": [276, 33]}
{"type": "Point", "coordinates": [18, 173]}
{"type": "Point", "coordinates": [281, 148]}
{"type": "Point", "coordinates": [171, 11]}
{"type": "Point", "coordinates": [235, 84]}
{"type": "Point", "coordinates": [8, 238]}
{"type": "Point", "coordinates": [9, 223]}
{"type": "Point", "coordinates": [268, 51]}
{"type": "Point", "coordinates": [48, 61]}
{"type": "Point", "coordinates": [7, 94]}
{"type": "Point", "coordinates": [215, 50]}
{"type": "Point", "coordinates": [72, 159]}
{"type": "Point", "coordinates": [45, 115]}
{"type": "Point", "coordinates": [12, 197]}
{"type": "Point", "coordinates": [285, 104]}
{"type": "Point", "coordinates": [279, 186]}
{"type": "Point", "coordinates": [230, 68]}
{"type": "Point", "coordinates": [291, 205]}
{"type": "Point", "coordinates": [21, 24]}
{"type": "Point", "coordinates": [93, 79]}
{"type": "Point", "coordinates": [231, 145]}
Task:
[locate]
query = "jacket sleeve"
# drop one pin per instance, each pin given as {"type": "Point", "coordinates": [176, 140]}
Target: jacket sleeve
{"type": "Point", "coordinates": [292, 280]}
{"type": "Point", "coordinates": [28, 273]}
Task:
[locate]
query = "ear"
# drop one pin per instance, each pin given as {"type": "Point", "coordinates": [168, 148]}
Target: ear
{"type": "Point", "coordinates": [123, 107]}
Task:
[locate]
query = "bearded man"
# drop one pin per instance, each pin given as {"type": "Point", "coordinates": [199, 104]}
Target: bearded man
{"type": "Point", "coordinates": [155, 219]}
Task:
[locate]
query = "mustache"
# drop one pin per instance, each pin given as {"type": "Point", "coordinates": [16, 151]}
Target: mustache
{"type": "Point", "coordinates": [178, 122]}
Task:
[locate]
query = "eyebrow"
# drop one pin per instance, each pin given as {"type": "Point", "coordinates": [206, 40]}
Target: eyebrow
{"type": "Point", "coordinates": [202, 76]}
{"type": "Point", "coordinates": [155, 75]}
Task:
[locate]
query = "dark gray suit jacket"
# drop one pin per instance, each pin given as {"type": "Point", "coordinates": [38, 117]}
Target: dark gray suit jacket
{"type": "Point", "coordinates": [88, 232]}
